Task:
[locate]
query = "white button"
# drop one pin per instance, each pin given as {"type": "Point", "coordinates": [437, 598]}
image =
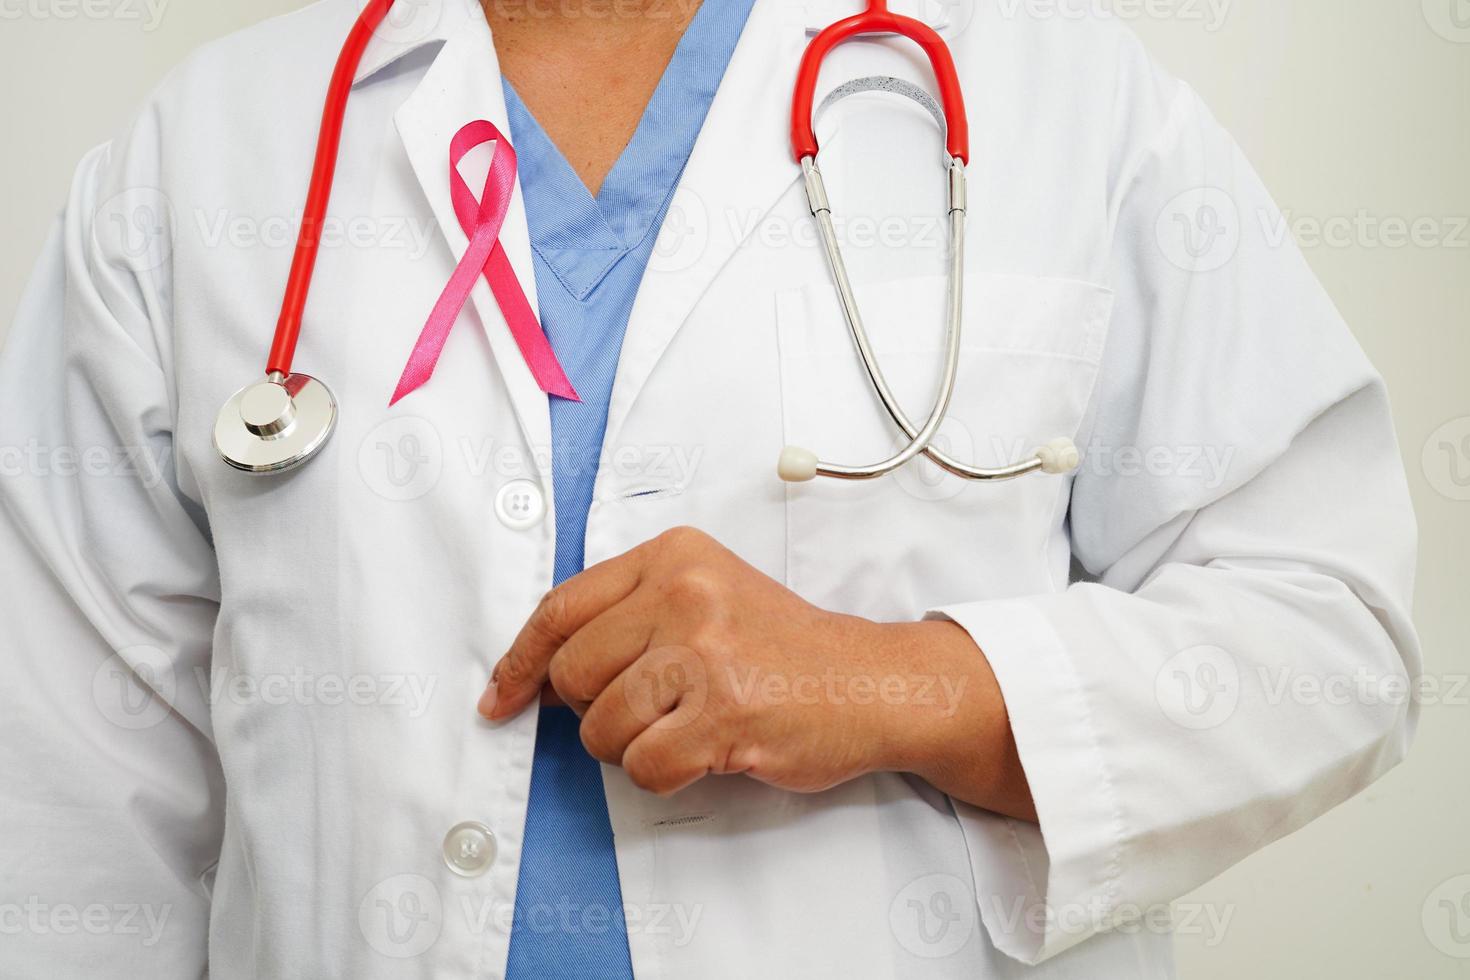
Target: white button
{"type": "Point", "coordinates": [520, 505]}
{"type": "Point", "coordinates": [469, 849]}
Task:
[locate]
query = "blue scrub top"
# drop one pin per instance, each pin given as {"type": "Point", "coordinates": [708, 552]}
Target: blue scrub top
{"type": "Point", "coordinates": [590, 255]}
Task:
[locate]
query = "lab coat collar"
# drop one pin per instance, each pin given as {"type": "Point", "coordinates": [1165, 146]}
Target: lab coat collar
{"type": "Point", "coordinates": [461, 85]}
{"type": "Point", "coordinates": [938, 14]}
{"type": "Point", "coordinates": [740, 167]}
{"type": "Point", "coordinates": [415, 24]}
{"type": "Point", "coordinates": [410, 26]}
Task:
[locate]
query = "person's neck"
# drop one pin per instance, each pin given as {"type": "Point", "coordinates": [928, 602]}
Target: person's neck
{"type": "Point", "coordinates": [587, 68]}
{"type": "Point", "coordinates": [596, 23]}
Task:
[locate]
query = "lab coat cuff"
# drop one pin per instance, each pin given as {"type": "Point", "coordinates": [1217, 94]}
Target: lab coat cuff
{"type": "Point", "coordinates": [1043, 890]}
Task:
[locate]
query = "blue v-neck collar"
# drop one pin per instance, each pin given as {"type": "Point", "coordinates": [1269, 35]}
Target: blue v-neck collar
{"type": "Point", "coordinates": [581, 237]}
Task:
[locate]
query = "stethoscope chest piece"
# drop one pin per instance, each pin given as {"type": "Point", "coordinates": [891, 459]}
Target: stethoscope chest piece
{"type": "Point", "coordinates": [275, 424]}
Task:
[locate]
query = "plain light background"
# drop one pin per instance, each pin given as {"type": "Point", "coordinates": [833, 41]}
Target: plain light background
{"type": "Point", "coordinates": [1357, 113]}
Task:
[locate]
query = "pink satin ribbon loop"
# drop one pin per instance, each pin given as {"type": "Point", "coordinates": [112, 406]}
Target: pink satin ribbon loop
{"type": "Point", "coordinates": [482, 221]}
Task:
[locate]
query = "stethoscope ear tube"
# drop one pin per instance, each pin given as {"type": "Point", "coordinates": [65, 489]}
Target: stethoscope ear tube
{"type": "Point", "coordinates": [280, 422]}
{"type": "Point", "coordinates": [795, 462]}
{"type": "Point", "coordinates": [877, 19]}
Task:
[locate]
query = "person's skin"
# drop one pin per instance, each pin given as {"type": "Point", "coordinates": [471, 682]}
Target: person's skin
{"type": "Point", "coordinates": [587, 68]}
{"type": "Point", "coordinates": [682, 659]}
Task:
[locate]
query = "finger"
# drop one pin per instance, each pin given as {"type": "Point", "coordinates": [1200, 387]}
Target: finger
{"type": "Point", "coordinates": [519, 676]}
{"type": "Point", "coordinates": [668, 755]}
{"type": "Point", "coordinates": [601, 650]}
{"type": "Point", "coordinates": [625, 708]}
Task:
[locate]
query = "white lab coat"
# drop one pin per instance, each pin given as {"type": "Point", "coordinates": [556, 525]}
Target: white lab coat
{"type": "Point", "coordinates": [238, 712]}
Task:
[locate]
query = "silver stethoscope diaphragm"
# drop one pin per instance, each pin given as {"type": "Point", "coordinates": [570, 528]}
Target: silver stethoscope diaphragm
{"type": "Point", "coordinates": [275, 424]}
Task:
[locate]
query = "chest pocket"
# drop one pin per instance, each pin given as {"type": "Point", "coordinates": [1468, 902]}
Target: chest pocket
{"type": "Point", "coordinates": [893, 547]}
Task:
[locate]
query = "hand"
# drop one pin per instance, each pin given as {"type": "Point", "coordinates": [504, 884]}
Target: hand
{"type": "Point", "coordinates": [683, 660]}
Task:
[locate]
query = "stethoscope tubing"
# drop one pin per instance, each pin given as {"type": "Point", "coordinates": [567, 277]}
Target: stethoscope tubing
{"type": "Point", "coordinates": [800, 465]}
{"type": "Point", "coordinates": [262, 429]}
{"type": "Point", "coordinates": [319, 191]}
{"type": "Point", "coordinates": [877, 19]}
{"type": "Point", "coordinates": [920, 439]}
{"type": "Point", "coordinates": [957, 223]}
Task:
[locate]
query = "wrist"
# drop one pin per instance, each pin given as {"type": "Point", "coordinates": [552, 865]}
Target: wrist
{"type": "Point", "coordinates": [931, 709]}
{"type": "Point", "coordinates": [957, 736]}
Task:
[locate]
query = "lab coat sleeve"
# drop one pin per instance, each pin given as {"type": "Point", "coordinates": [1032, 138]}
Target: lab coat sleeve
{"type": "Point", "coordinates": [111, 798]}
{"type": "Point", "coordinates": [1238, 655]}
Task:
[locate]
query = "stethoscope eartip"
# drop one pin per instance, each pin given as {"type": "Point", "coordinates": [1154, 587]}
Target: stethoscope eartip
{"type": "Point", "coordinates": [1059, 456]}
{"type": "Point", "coordinates": [797, 465]}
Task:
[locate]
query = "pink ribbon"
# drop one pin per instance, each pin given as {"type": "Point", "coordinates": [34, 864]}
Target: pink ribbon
{"type": "Point", "coordinates": [481, 221]}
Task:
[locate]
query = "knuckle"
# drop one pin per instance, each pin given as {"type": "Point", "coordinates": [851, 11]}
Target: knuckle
{"type": "Point", "coordinates": [565, 679]}
{"type": "Point", "coordinates": [640, 775]}
{"type": "Point", "coordinates": [512, 669]}
{"type": "Point", "coordinates": [709, 644]}
{"type": "Point", "coordinates": [550, 613]}
{"type": "Point", "coordinates": [598, 742]}
{"type": "Point", "coordinates": [649, 772]}
{"type": "Point", "coordinates": [696, 585]}
{"type": "Point", "coordinates": [570, 678]}
{"type": "Point", "coordinates": [683, 537]}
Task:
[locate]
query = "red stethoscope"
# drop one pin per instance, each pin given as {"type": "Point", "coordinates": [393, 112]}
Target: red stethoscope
{"type": "Point", "coordinates": [280, 422]}
{"type": "Point", "coordinates": [798, 465]}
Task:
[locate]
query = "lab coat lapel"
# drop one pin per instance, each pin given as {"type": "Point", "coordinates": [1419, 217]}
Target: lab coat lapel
{"type": "Point", "coordinates": [740, 166]}
{"type": "Point", "coordinates": [464, 84]}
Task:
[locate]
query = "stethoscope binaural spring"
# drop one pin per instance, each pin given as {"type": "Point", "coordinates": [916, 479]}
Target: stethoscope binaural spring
{"type": "Point", "coordinates": [797, 465]}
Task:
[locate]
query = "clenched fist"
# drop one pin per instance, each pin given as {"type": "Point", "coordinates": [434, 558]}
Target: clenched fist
{"type": "Point", "coordinates": [683, 660]}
